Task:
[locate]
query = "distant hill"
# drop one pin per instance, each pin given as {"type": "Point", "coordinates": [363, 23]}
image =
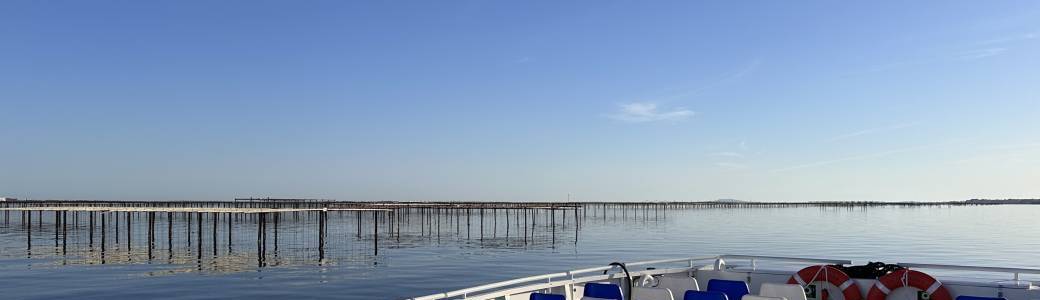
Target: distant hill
{"type": "Point", "coordinates": [1003, 201]}
{"type": "Point", "coordinates": [730, 201]}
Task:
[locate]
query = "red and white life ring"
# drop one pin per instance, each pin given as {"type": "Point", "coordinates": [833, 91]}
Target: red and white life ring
{"type": "Point", "coordinates": [822, 273]}
{"type": "Point", "coordinates": [906, 277]}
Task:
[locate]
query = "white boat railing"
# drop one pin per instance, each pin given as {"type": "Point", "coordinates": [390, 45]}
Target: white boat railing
{"type": "Point", "coordinates": [1017, 272]}
{"type": "Point", "coordinates": [568, 284]}
{"type": "Point", "coordinates": [720, 263]}
{"type": "Point", "coordinates": [568, 279]}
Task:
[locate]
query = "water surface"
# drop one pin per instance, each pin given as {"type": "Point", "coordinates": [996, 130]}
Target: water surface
{"type": "Point", "coordinates": [424, 252]}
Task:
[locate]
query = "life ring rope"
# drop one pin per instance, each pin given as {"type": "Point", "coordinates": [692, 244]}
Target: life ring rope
{"type": "Point", "coordinates": [846, 284]}
{"type": "Point", "coordinates": [881, 287]}
{"type": "Point", "coordinates": [908, 278]}
{"type": "Point", "coordinates": [935, 286]}
{"type": "Point", "coordinates": [850, 290]}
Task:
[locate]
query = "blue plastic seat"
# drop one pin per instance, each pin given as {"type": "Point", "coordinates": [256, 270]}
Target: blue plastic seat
{"type": "Point", "coordinates": [540, 296]}
{"type": "Point", "coordinates": [705, 295]}
{"type": "Point", "coordinates": [603, 291]}
{"type": "Point", "coordinates": [732, 288]}
{"type": "Point", "coordinates": [979, 298]}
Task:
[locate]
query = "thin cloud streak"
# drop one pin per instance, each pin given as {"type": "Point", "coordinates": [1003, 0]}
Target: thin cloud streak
{"type": "Point", "coordinates": [523, 60]}
{"type": "Point", "coordinates": [745, 70]}
{"type": "Point", "coordinates": [991, 152]}
{"type": "Point", "coordinates": [851, 158]}
{"type": "Point", "coordinates": [872, 131]}
{"type": "Point", "coordinates": [1019, 146]}
{"type": "Point", "coordinates": [727, 154]}
{"type": "Point", "coordinates": [993, 47]}
{"type": "Point", "coordinates": [939, 58]}
{"type": "Point", "coordinates": [1011, 38]}
{"type": "Point", "coordinates": [980, 53]}
{"type": "Point", "coordinates": [731, 165]}
{"type": "Point", "coordinates": [639, 112]}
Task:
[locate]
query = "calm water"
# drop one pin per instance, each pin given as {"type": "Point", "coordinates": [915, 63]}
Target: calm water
{"type": "Point", "coordinates": [417, 257]}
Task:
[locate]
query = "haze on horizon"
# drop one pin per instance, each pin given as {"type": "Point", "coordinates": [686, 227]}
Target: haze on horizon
{"type": "Point", "coordinates": [476, 100]}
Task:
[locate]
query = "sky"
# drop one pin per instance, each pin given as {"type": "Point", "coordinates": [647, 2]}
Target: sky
{"type": "Point", "coordinates": [520, 100]}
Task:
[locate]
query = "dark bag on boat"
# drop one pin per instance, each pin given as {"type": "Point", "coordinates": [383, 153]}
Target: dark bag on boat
{"type": "Point", "coordinates": [871, 270]}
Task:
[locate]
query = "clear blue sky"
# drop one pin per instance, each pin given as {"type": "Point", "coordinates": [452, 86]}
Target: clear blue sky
{"type": "Point", "coordinates": [528, 100]}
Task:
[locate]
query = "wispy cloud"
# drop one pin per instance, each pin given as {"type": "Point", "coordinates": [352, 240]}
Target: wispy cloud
{"type": "Point", "coordinates": [970, 51]}
{"type": "Point", "coordinates": [1011, 38]}
{"type": "Point", "coordinates": [727, 154]}
{"type": "Point", "coordinates": [731, 165]}
{"type": "Point", "coordinates": [980, 53]}
{"type": "Point", "coordinates": [732, 159]}
{"type": "Point", "coordinates": [650, 111]}
{"type": "Point", "coordinates": [936, 59]}
{"type": "Point", "coordinates": [523, 60]}
{"type": "Point", "coordinates": [638, 112]}
{"type": "Point", "coordinates": [873, 130]}
{"type": "Point", "coordinates": [1015, 146]}
{"type": "Point", "coordinates": [851, 158]}
{"type": "Point", "coordinates": [738, 73]}
{"type": "Point", "coordinates": [745, 70]}
{"type": "Point", "coordinates": [1004, 152]}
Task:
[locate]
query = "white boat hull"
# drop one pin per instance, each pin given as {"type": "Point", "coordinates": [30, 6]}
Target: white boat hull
{"type": "Point", "coordinates": [571, 283]}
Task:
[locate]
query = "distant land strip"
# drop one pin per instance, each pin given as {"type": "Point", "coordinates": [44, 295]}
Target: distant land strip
{"type": "Point", "coordinates": [334, 204]}
{"type": "Point", "coordinates": [1003, 201]}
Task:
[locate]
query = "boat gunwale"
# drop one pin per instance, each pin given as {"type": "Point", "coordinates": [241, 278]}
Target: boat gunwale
{"type": "Point", "coordinates": [719, 265]}
{"type": "Point", "coordinates": [513, 290]}
{"type": "Point", "coordinates": [970, 268]}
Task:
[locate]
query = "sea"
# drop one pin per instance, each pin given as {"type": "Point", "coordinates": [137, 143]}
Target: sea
{"type": "Point", "coordinates": [420, 251]}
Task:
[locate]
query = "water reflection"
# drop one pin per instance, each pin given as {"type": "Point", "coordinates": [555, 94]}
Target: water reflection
{"type": "Point", "coordinates": [222, 242]}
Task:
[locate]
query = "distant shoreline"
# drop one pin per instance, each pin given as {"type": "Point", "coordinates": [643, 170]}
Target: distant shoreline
{"type": "Point", "coordinates": [1003, 201]}
{"type": "Point", "coordinates": [720, 202]}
